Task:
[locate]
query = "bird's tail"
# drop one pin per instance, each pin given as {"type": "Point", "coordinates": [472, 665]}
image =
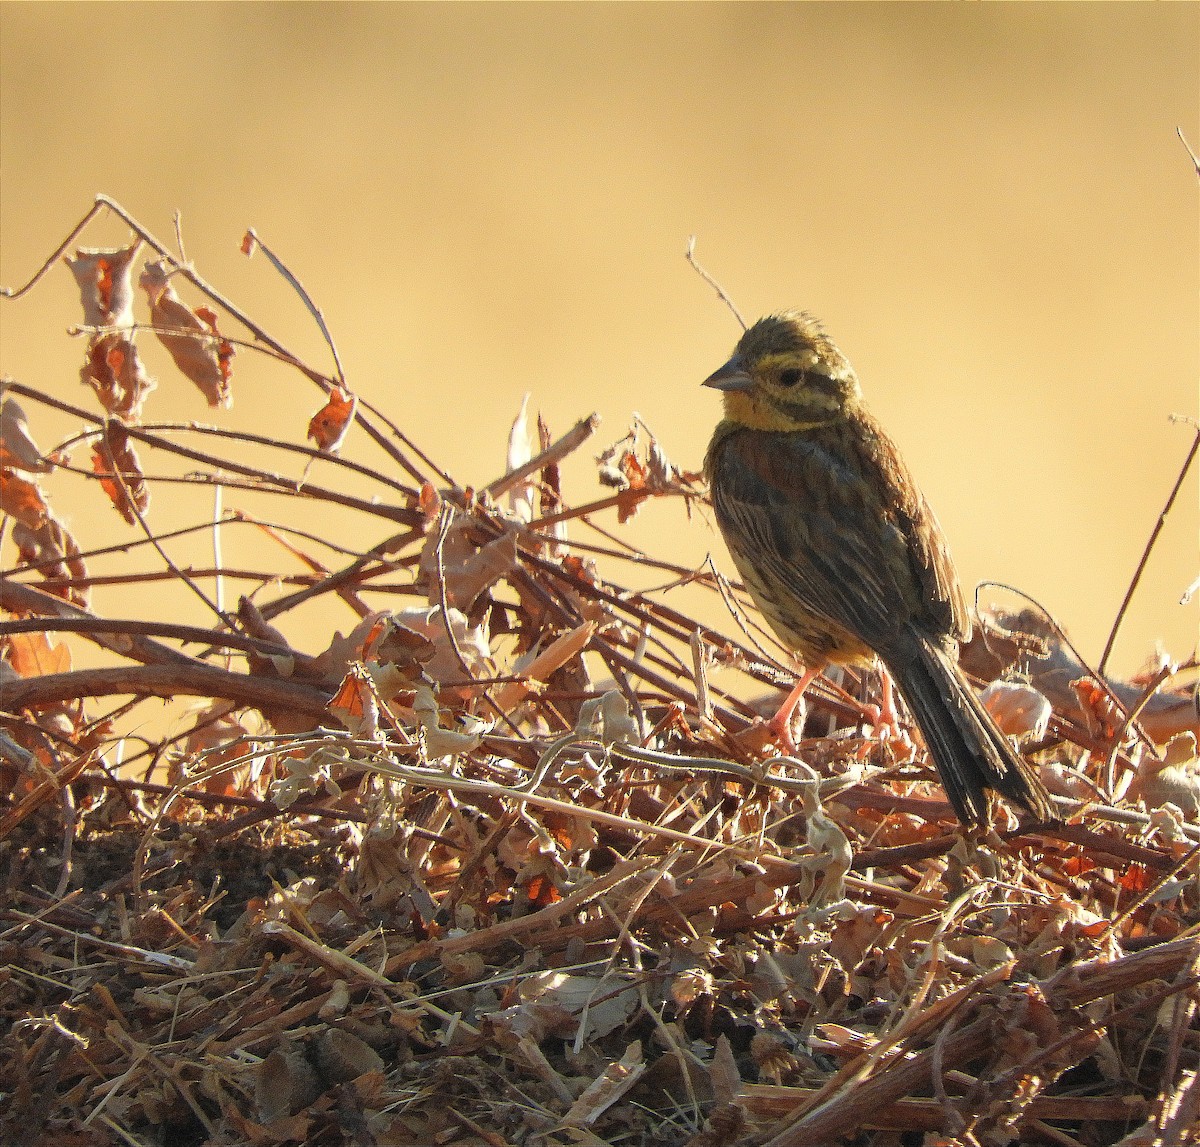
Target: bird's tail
{"type": "Point", "coordinates": [968, 748]}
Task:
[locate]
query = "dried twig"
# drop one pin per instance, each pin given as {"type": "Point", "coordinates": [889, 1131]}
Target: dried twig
{"type": "Point", "coordinates": [1137, 573]}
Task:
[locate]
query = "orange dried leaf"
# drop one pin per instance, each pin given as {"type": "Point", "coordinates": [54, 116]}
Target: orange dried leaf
{"type": "Point", "coordinates": [580, 568]}
{"type": "Point", "coordinates": [619, 466]}
{"type": "Point", "coordinates": [120, 470]}
{"type": "Point", "coordinates": [113, 369]}
{"type": "Point", "coordinates": [22, 499]}
{"type": "Point", "coordinates": [378, 627]}
{"type": "Point", "coordinates": [636, 473]}
{"type": "Point", "coordinates": [105, 283]}
{"type": "Point", "coordinates": [1136, 878]}
{"type": "Point", "coordinates": [629, 502]}
{"type": "Point", "coordinates": [1097, 704]}
{"type": "Point", "coordinates": [355, 704]}
{"type": "Point", "coordinates": [429, 502]}
{"type": "Point", "coordinates": [622, 466]}
{"type": "Point", "coordinates": [32, 655]}
{"type": "Point", "coordinates": [328, 427]}
{"type": "Point", "coordinates": [1075, 866]}
{"type": "Point", "coordinates": [199, 351]}
{"type": "Point", "coordinates": [561, 831]}
{"type": "Point", "coordinates": [541, 892]}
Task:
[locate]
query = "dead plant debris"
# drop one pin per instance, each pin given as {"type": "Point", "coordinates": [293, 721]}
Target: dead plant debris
{"type": "Point", "coordinates": [517, 862]}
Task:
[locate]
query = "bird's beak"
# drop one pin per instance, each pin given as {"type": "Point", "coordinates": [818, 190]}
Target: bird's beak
{"type": "Point", "coordinates": [731, 376]}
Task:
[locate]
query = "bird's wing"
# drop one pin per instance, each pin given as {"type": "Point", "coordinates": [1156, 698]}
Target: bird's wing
{"type": "Point", "coordinates": [833, 518]}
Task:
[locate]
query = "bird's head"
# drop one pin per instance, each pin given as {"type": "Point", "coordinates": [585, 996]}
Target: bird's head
{"type": "Point", "coordinates": [786, 374]}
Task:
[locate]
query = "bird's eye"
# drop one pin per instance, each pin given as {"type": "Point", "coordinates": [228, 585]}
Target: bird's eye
{"type": "Point", "coordinates": [790, 376]}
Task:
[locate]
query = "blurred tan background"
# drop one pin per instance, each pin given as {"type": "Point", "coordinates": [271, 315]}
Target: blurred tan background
{"type": "Point", "coordinates": [987, 205]}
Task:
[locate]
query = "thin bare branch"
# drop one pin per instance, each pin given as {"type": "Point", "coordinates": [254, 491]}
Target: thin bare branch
{"type": "Point", "coordinates": [305, 298]}
{"type": "Point", "coordinates": [1141, 566]}
{"type": "Point", "coordinates": [691, 258]}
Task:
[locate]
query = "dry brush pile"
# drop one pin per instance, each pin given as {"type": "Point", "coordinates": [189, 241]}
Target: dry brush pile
{"type": "Point", "coordinates": [516, 862]}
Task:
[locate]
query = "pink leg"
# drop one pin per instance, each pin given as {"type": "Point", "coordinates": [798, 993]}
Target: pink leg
{"type": "Point", "coordinates": [888, 717]}
{"type": "Point", "coordinates": [781, 723]}
{"type": "Point", "coordinates": [884, 720]}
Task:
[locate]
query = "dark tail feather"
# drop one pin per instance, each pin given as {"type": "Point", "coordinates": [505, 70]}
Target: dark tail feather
{"type": "Point", "coordinates": [970, 752]}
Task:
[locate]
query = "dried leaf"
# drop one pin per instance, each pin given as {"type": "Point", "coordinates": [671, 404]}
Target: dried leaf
{"type": "Point", "coordinates": [1099, 708]}
{"type": "Point", "coordinates": [32, 655]}
{"type": "Point", "coordinates": [472, 641]}
{"type": "Point", "coordinates": [466, 568]}
{"type": "Point", "coordinates": [356, 704]}
{"type": "Point", "coordinates": [219, 737]}
{"type": "Point", "coordinates": [18, 451]}
{"type": "Point", "coordinates": [652, 472]}
{"type": "Point", "coordinates": [429, 502]}
{"type": "Point", "coordinates": [440, 742]}
{"type": "Point", "coordinates": [600, 1003]}
{"type": "Point", "coordinates": [113, 369]}
{"type": "Point", "coordinates": [286, 1083]}
{"type": "Point", "coordinates": [342, 1056]}
{"type": "Point", "coordinates": [620, 468]}
{"type": "Point", "coordinates": [23, 500]}
{"type": "Point", "coordinates": [105, 280]}
{"type": "Point", "coordinates": [328, 427]}
{"type": "Point", "coordinates": [520, 450]}
{"type": "Point", "coordinates": [53, 549]}
{"type": "Point", "coordinates": [628, 504]}
{"type": "Point", "coordinates": [468, 579]}
{"type": "Point", "coordinates": [312, 772]}
{"type": "Point", "coordinates": [723, 1071]}
{"type": "Point", "coordinates": [608, 717]}
{"type": "Point", "coordinates": [401, 651]}
{"type": "Point", "coordinates": [1020, 710]}
{"type": "Point", "coordinates": [199, 351]}
{"type": "Point", "coordinates": [115, 460]}
{"type": "Point", "coordinates": [610, 1086]}
{"type": "Point", "coordinates": [1176, 780]}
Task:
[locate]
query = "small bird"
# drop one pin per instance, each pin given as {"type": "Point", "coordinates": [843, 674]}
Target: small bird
{"type": "Point", "coordinates": [843, 555]}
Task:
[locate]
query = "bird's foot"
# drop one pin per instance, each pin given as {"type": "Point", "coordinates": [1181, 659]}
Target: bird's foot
{"type": "Point", "coordinates": [883, 719]}
{"type": "Point", "coordinates": [781, 728]}
{"type": "Point", "coordinates": [882, 729]}
{"type": "Point", "coordinates": [784, 721]}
